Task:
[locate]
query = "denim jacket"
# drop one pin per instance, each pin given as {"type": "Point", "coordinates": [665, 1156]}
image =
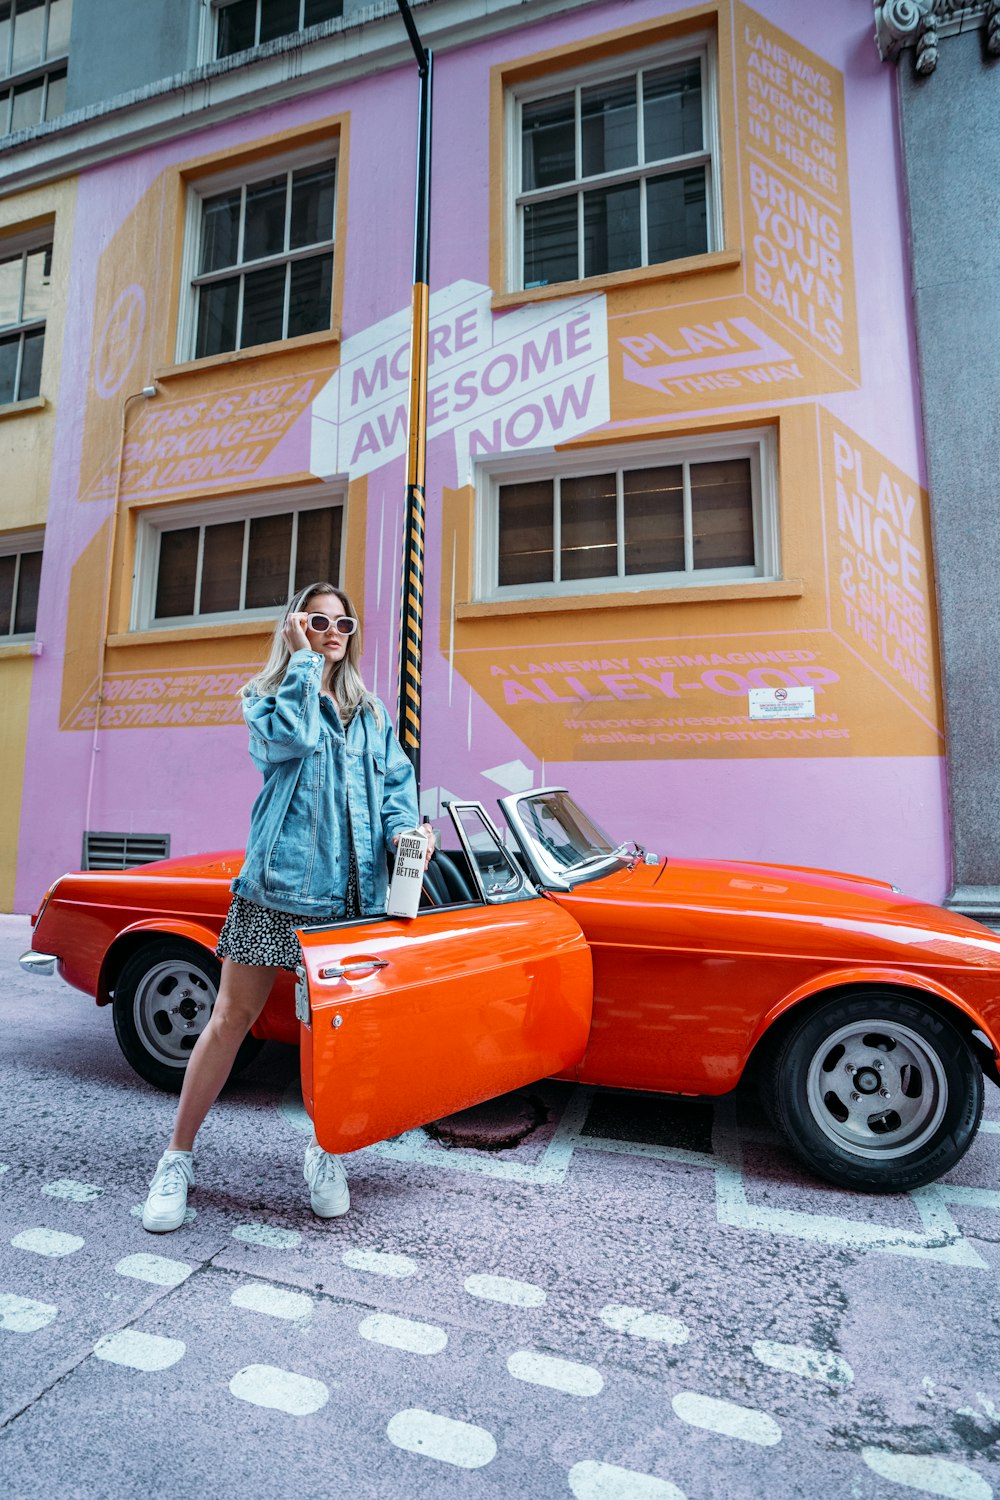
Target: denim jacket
{"type": "Point", "coordinates": [315, 773]}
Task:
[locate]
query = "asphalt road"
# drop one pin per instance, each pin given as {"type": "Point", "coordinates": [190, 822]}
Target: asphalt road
{"type": "Point", "coordinates": [639, 1301]}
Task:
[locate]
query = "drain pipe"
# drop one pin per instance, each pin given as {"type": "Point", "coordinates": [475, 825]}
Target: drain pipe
{"type": "Point", "coordinates": [148, 391]}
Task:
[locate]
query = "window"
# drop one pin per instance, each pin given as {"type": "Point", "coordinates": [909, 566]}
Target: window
{"type": "Point", "coordinates": [25, 282]}
{"type": "Point", "coordinates": [226, 560]}
{"type": "Point", "coordinates": [249, 23]}
{"type": "Point", "coordinates": [20, 574]}
{"type": "Point", "coordinates": [263, 257]}
{"type": "Point", "coordinates": [34, 41]}
{"type": "Point", "coordinates": [672, 514]}
{"type": "Point", "coordinates": [613, 168]}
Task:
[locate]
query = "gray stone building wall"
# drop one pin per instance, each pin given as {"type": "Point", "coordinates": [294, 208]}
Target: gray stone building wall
{"type": "Point", "coordinates": [950, 130]}
{"type": "Point", "coordinates": [116, 48]}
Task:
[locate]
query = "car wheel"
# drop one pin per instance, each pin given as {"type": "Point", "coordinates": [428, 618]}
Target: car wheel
{"type": "Point", "coordinates": [876, 1092]}
{"type": "Point", "coordinates": [162, 1002]}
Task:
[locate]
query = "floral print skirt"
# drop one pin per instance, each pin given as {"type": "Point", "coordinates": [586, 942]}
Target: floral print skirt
{"type": "Point", "coordinates": [253, 934]}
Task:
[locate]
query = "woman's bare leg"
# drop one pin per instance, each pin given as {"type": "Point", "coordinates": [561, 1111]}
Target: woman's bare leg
{"type": "Point", "coordinates": [243, 991]}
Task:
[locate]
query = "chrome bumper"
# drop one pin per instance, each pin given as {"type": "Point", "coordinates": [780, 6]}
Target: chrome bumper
{"type": "Point", "coordinates": [37, 963]}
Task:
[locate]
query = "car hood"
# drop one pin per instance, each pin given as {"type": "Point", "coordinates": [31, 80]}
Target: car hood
{"type": "Point", "coordinates": [768, 908]}
{"type": "Point", "coordinates": [829, 897]}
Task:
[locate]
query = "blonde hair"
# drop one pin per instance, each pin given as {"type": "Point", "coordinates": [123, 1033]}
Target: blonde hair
{"type": "Point", "coordinates": [347, 685]}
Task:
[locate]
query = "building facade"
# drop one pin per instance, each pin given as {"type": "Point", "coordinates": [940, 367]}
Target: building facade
{"type": "Point", "coordinates": [675, 447]}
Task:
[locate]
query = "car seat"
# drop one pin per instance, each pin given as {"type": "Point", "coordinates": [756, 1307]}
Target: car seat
{"type": "Point", "coordinates": [446, 881]}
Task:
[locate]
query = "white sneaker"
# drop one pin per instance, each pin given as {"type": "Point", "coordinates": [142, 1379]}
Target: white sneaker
{"type": "Point", "coordinates": [166, 1201]}
{"type": "Point", "coordinates": [328, 1190]}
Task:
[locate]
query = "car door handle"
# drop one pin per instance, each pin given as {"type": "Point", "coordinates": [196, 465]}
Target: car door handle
{"type": "Point", "coordinates": [360, 967]}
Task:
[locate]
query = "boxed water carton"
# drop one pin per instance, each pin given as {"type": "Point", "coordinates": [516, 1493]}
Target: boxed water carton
{"type": "Point", "coordinates": [408, 874]}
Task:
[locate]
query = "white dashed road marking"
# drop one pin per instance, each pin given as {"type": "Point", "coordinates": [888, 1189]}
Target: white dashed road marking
{"type": "Point", "coordinates": [281, 1390]}
{"type": "Point", "coordinates": [460, 1443]}
{"type": "Point", "coordinates": [727, 1419]}
{"type": "Point", "coordinates": [558, 1374]}
{"type": "Point", "coordinates": [24, 1314]}
{"type": "Point", "coordinates": [379, 1263]}
{"type": "Point", "coordinates": [154, 1268]}
{"type": "Point", "coordinates": [504, 1289]}
{"type": "Point", "coordinates": [267, 1235]}
{"type": "Point", "coordinates": [797, 1359]}
{"type": "Point", "coordinates": [593, 1481]}
{"type": "Point", "coordinates": [274, 1301]}
{"type": "Point", "coordinates": [644, 1325]}
{"type": "Point", "coordinates": [935, 1476]}
{"type": "Point", "coordinates": [403, 1333]}
{"type": "Point", "coordinates": [47, 1242]}
{"type": "Point", "coordinates": [139, 1351]}
{"type": "Point", "coordinates": [75, 1192]}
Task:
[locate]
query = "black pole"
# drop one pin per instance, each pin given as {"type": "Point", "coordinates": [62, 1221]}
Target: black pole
{"type": "Point", "coordinates": [412, 594]}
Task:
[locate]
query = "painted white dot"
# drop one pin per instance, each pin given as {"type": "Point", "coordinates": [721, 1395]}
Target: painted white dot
{"type": "Point", "coordinates": [558, 1374]}
{"type": "Point", "coordinates": [403, 1333]}
{"type": "Point", "coordinates": [24, 1314]}
{"type": "Point", "coordinates": [281, 1390]}
{"type": "Point", "coordinates": [190, 1214]}
{"type": "Point", "coordinates": [798, 1359]}
{"type": "Point", "coordinates": [590, 1480]}
{"type": "Point", "coordinates": [155, 1268]}
{"type": "Point", "coordinates": [935, 1476]}
{"type": "Point", "coordinates": [267, 1235]}
{"type": "Point", "coordinates": [504, 1289]}
{"type": "Point", "coordinates": [274, 1301]}
{"type": "Point", "coordinates": [727, 1419]}
{"type": "Point", "coordinates": [451, 1442]}
{"type": "Point", "coordinates": [73, 1191]}
{"type": "Point", "coordinates": [644, 1325]}
{"type": "Point", "coordinates": [379, 1263]}
{"type": "Point", "coordinates": [139, 1351]}
{"type": "Point", "coordinates": [47, 1242]}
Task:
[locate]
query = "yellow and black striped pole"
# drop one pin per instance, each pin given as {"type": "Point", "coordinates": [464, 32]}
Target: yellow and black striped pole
{"type": "Point", "coordinates": [412, 606]}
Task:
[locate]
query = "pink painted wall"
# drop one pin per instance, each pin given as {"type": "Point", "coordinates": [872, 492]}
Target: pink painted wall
{"type": "Point", "coordinates": [882, 813]}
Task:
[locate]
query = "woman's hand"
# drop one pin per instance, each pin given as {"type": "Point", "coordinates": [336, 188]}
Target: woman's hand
{"type": "Point", "coordinates": [431, 841]}
{"type": "Point", "coordinates": [294, 632]}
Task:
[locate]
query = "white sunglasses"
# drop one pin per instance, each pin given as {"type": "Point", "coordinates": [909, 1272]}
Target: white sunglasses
{"type": "Point", "coordinates": [342, 624]}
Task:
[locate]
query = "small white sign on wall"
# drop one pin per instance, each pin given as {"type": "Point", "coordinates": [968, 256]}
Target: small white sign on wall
{"type": "Point", "coordinates": [783, 703]}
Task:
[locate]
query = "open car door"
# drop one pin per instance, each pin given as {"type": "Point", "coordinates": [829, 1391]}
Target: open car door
{"type": "Point", "coordinates": [406, 1021]}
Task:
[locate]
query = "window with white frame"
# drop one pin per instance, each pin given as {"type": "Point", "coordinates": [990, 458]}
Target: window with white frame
{"type": "Point", "coordinates": [614, 167]}
{"type": "Point", "coordinates": [25, 286]}
{"type": "Point", "coordinates": [260, 255]}
{"type": "Point", "coordinates": [233, 559]}
{"type": "Point", "coordinates": [241, 24]}
{"type": "Point", "coordinates": [664, 515]}
{"type": "Point", "coordinates": [34, 43]}
{"type": "Point", "coordinates": [20, 575]}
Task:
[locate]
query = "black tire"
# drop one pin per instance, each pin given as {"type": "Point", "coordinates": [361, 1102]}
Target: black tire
{"type": "Point", "coordinates": [876, 1092]}
{"type": "Point", "coordinates": [162, 1001]}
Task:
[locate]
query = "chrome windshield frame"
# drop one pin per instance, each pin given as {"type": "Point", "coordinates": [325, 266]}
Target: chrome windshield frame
{"type": "Point", "coordinates": [551, 875]}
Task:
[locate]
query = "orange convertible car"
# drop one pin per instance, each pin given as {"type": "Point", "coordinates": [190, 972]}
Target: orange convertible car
{"type": "Point", "coordinates": [870, 1018]}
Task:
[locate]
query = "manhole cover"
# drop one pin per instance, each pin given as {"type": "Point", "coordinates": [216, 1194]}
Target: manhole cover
{"type": "Point", "coordinates": [496, 1125]}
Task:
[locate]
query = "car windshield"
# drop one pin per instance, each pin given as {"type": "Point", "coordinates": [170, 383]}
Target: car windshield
{"type": "Point", "coordinates": [567, 838]}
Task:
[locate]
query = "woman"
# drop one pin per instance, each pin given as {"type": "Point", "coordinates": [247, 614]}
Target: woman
{"type": "Point", "coordinates": [338, 792]}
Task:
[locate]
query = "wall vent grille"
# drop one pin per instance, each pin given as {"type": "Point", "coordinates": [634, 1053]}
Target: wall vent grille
{"type": "Point", "coordinates": [120, 851]}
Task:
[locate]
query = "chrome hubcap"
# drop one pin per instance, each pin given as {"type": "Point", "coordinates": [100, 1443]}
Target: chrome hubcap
{"type": "Point", "coordinates": [172, 1005]}
{"type": "Point", "coordinates": [877, 1089]}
